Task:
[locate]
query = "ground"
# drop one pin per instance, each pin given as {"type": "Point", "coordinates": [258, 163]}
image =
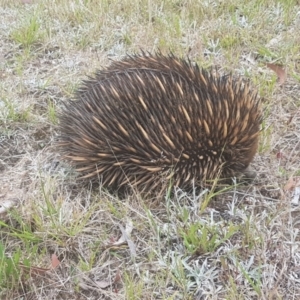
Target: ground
{"type": "Point", "coordinates": [64, 240]}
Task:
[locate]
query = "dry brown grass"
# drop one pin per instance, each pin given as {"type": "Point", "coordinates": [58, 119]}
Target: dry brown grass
{"type": "Point", "coordinates": [243, 245]}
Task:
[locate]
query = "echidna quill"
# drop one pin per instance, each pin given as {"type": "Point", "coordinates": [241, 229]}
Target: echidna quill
{"type": "Point", "coordinates": [149, 120]}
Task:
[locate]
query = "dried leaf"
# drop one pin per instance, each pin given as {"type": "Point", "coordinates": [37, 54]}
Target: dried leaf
{"type": "Point", "coordinates": [54, 261]}
{"type": "Point", "coordinates": [292, 183]}
{"type": "Point", "coordinates": [33, 270]}
{"type": "Point", "coordinates": [125, 233]}
{"type": "Point", "coordinates": [280, 72]}
{"type": "Point", "coordinates": [117, 277]}
{"type": "Point", "coordinates": [103, 284]}
{"type": "Point", "coordinates": [124, 239]}
{"type": "Point", "coordinates": [279, 155]}
{"type": "Point", "coordinates": [293, 187]}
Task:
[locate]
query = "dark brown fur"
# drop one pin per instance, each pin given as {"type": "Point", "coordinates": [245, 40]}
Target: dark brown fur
{"type": "Point", "coordinates": [153, 119]}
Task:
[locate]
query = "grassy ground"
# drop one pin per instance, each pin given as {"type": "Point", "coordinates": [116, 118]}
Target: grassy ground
{"type": "Point", "coordinates": [63, 241]}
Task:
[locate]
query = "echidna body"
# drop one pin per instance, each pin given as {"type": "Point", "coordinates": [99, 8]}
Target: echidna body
{"type": "Point", "coordinates": [149, 120]}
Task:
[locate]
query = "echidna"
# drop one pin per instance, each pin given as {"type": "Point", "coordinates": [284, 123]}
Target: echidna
{"type": "Point", "coordinates": [153, 119]}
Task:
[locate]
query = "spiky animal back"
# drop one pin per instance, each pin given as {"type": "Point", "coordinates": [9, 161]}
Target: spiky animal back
{"type": "Point", "coordinates": [150, 119]}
